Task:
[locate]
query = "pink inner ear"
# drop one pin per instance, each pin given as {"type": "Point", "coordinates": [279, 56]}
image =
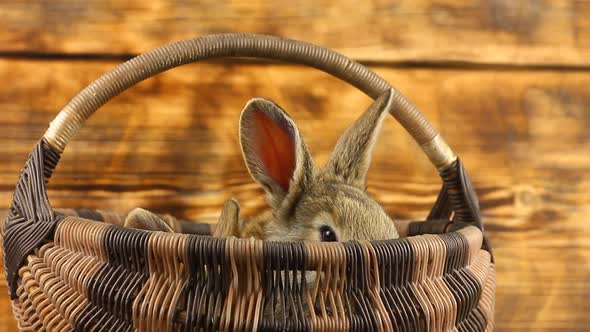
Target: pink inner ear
{"type": "Point", "coordinates": [275, 147]}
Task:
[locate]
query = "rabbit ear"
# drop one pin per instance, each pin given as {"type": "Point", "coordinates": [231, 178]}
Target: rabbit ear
{"type": "Point", "coordinates": [229, 220]}
{"type": "Point", "coordinates": [274, 151]}
{"type": "Point", "coordinates": [351, 157]}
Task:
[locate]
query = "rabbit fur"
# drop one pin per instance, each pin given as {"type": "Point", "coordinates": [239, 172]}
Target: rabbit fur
{"type": "Point", "coordinates": [306, 202]}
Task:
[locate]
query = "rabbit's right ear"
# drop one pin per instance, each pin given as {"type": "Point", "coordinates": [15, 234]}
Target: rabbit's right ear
{"type": "Point", "coordinates": [351, 157]}
{"type": "Point", "coordinates": [274, 151]}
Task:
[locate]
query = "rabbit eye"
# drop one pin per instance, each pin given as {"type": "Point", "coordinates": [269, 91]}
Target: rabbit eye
{"type": "Point", "coordinates": [327, 234]}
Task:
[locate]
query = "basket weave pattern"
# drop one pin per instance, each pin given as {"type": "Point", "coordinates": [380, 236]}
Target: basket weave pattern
{"type": "Point", "coordinates": [95, 273]}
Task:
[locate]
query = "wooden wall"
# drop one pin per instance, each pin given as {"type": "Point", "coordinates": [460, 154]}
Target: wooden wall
{"type": "Point", "coordinates": [506, 82]}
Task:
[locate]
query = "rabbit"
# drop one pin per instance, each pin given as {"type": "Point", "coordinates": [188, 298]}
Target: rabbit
{"type": "Point", "coordinates": [228, 224]}
{"type": "Point", "coordinates": [144, 219]}
{"type": "Point", "coordinates": [307, 203]}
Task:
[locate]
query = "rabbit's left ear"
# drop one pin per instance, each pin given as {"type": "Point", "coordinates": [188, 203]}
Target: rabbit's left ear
{"type": "Point", "coordinates": [229, 220]}
{"type": "Point", "coordinates": [351, 157]}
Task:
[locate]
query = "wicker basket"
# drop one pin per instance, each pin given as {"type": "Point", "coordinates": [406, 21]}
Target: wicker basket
{"type": "Point", "coordinates": [67, 270]}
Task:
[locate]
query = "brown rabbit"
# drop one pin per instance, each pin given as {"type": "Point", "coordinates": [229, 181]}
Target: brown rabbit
{"type": "Point", "coordinates": [327, 204]}
{"type": "Point", "coordinates": [144, 219]}
{"type": "Point", "coordinates": [227, 225]}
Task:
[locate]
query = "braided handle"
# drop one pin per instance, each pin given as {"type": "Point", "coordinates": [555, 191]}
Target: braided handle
{"type": "Point", "coordinates": [82, 106]}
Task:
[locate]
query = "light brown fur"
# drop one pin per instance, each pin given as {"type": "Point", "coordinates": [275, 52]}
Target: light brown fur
{"type": "Point", "coordinates": [331, 196]}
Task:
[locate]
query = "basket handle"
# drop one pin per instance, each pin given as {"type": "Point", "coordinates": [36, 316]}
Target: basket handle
{"type": "Point", "coordinates": [83, 105]}
{"type": "Point", "coordinates": [31, 220]}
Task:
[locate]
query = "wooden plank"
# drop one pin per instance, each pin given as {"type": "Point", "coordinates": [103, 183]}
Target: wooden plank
{"type": "Point", "coordinates": [176, 135]}
{"type": "Point", "coordinates": [7, 321]}
{"type": "Point", "coordinates": [552, 32]}
{"type": "Point", "coordinates": [170, 144]}
{"type": "Point", "coordinates": [542, 281]}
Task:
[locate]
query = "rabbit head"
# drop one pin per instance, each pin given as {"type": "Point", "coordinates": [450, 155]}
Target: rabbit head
{"type": "Point", "coordinates": [309, 203]}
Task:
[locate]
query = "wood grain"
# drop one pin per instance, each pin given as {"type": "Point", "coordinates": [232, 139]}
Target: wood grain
{"type": "Point", "coordinates": [170, 144]}
{"type": "Point", "coordinates": [542, 281]}
{"type": "Point", "coordinates": [7, 322]}
{"type": "Point", "coordinates": [528, 32]}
